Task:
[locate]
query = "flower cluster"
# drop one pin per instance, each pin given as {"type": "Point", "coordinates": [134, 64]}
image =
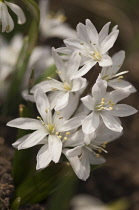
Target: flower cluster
{"type": "Point", "coordinates": [73, 124]}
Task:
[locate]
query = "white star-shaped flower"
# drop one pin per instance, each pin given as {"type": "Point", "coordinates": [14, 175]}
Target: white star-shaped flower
{"type": "Point", "coordinates": [87, 149]}
{"type": "Point", "coordinates": [5, 17]}
{"type": "Point", "coordinates": [114, 79]}
{"type": "Point", "coordinates": [103, 105]}
{"type": "Point", "coordinates": [53, 25]}
{"type": "Point", "coordinates": [48, 129]}
{"type": "Point", "coordinates": [68, 88]}
{"type": "Point", "coordinates": [91, 45]}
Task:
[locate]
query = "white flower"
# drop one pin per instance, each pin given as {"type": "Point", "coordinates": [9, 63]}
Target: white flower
{"type": "Point", "coordinates": [48, 128]}
{"type": "Point", "coordinates": [87, 149]}
{"type": "Point", "coordinates": [103, 105]}
{"type": "Point", "coordinates": [68, 87]}
{"type": "Point", "coordinates": [52, 25]}
{"type": "Point", "coordinates": [8, 56]}
{"type": "Point", "coordinates": [5, 17]}
{"type": "Point", "coordinates": [93, 47]}
{"type": "Point", "coordinates": [114, 79]}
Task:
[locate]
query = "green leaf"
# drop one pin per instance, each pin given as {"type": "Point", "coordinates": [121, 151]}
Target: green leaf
{"type": "Point", "coordinates": [39, 184]}
{"type": "Point", "coordinates": [66, 186]}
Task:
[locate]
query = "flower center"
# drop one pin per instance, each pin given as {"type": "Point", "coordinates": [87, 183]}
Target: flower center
{"type": "Point", "coordinates": [50, 128]}
{"type": "Point", "coordinates": [67, 86]}
{"type": "Point", "coordinates": [97, 56]}
{"type": "Point", "coordinates": [105, 105]}
{"type": "Point", "coordinates": [118, 76]}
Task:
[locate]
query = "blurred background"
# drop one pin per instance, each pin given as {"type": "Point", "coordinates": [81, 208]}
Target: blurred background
{"type": "Point", "coordinates": [116, 184]}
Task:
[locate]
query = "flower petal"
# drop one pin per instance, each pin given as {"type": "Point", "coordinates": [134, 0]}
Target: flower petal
{"type": "Point", "coordinates": [122, 84]}
{"type": "Point", "coordinates": [74, 152]}
{"type": "Point", "coordinates": [92, 32]}
{"type": "Point", "coordinates": [111, 122]}
{"type": "Point", "coordinates": [19, 141]}
{"type": "Point", "coordinates": [42, 104]}
{"type": "Point", "coordinates": [73, 64]}
{"type": "Point", "coordinates": [34, 139]}
{"type": "Point", "coordinates": [104, 32]}
{"type": "Point", "coordinates": [43, 157]}
{"type": "Point", "coordinates": [78, 84]}
{"type": "Point", "coordinates": [55, 147]}
{"type": "Point", "coordinates": [7, 21]}
{"type": "Point", "coordinates": [82, 33]}
{"type": "Point", "coordinates": [105, 61]}
{"type": "Point", "coordinates": [82, 71]}
{"type": "Point", "coordinates": [25, 123]}
{"type": "Point", "coordinates": [88, 102]}
{"type": "Point", "coordinates": [123, 110]}
{"type": "Point", "coordinates": [71, 124]}
{"type": "Point", "coordinates": [91, 123]}
{"type": "Point", "coordinates": [109, 41]}
{"type": "Point", "coordinates": [18, 11]}
{"type": "Point", "coordinates": [62, 102]}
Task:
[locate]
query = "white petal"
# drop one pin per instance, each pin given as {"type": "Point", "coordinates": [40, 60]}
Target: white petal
{"type": "Point", "coordinates": [25, 123]}
{"type": "Point", "coordinates": [82, 33]}
{"type": "Point", "coordinates": [104, 32]}
{"type": "Point", "coordinates": [43, 157]}
{"type": "Point", "coordinates": [91, 123]}
{"type": "Point", "coordinates": [18, 11]}
{"type": "Point", "coordinates": [122, 84]}
{"type": "Point", "coordinates": [75, 139]}
{"type": "Point", "coordinates": [123, 110]}
{"type": "Point", "coordinates": [78, 84]}
{"type": "Point", "coordinates": [73, 64]}
{"type": "Point", "coordinates": [85, 164]}
{"type": "Point", "coordinates": [75, 164]}
{"type": "Point", "coordinates": [111, 122]}
{"type": "Point", "coordinates": [48, 85]}
{"type": "Point", "coordinates": [74, 152]}
{"type": "Point", "coordinates": [71, 124]}
{"type": "Point", "coordinates": [105, 61]}
{"type": "Point", "coordinates": [68, 111]}
{"type": "Point", "coordinates": [109, 41]}
{"type": "Point", "coordinates": [104, 134]}
{"type": "Point", "coordinates": [19, 141]}
{"type": "Point", "coordinates": [92, 32]}
{"type": "Point", "coordinates": [96, 160]}
{"type": "Point", "coordinates": [55, 147]}
{"type": "Point", "coordinates": [62, 102]}
{"type": "Point", "coordinates": [42, 104]}
{"type": "Point", "coordinates": [82, 71]}
{"type": "Point", "coordinates": [117, 95]}
{"type": "Point", "coordinates": [88, 102]}
{"type": "Point", "coordinates": [75, 44]}
{"type": "Point", "coordinates": [34, 139]}
{"type": "Point", "coordinates": [118, 59]}
{"type": "Point", "coordinates": [7, 21]}
{"type": "Point", "coordinates": [99, 89]}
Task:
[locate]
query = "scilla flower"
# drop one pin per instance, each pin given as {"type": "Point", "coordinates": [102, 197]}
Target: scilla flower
{"type": "Point", "coordinates": [103, 105]}
{"type": "Point", "coordinates": [5, 17]}
{"type": "Point", "coordinates": [48, 128]}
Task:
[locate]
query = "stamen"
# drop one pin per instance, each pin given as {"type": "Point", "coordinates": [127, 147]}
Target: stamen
{"type": "Point", "coordinates": [67, 133]}
{"type": "Point", "coordinates": [65, 138]}
{"type": "Point", "coordinates": [57, 133]}
{"type": "Point", "coordinates": [60, 137]}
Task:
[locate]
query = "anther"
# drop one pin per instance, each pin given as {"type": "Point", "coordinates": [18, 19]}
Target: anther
{"type": "Point", "coordinates": [67, 133]}
{"type": "Point", "coordinates": [57, 133]}
{"type": "Point", "coordinates": [65, 138]}
{"type": "Point", "coordinates": [60, 137]}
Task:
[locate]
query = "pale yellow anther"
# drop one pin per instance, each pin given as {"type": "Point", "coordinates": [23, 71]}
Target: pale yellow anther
{"type": "Point", "coordinates": [110, 108]}
{"type": "Point", "coordinates": [99, 150]}
{"type": "Point", "coordinates": [65, 138]}
{"type": "Point", "coordinates": [58, 112]}
{"type": "Point", "coordinates": [97, 155]}
{"type": "Point", "coordinates": [67, 133]}
{"type": "Point", "coordinates": [49, 78]}
{"type": "Point", "coordinates": [57, 133]}
{"type": "Point", "coordinates": [39, 118]}
{"type": "Point", "coordinates": [47, 110]}
{"type": "Point", "coordinates": [120, 77]}
{"type": "Point", "coordinates": [60, 137]}
{"type": "Point", "coordinates": [53, 89]}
